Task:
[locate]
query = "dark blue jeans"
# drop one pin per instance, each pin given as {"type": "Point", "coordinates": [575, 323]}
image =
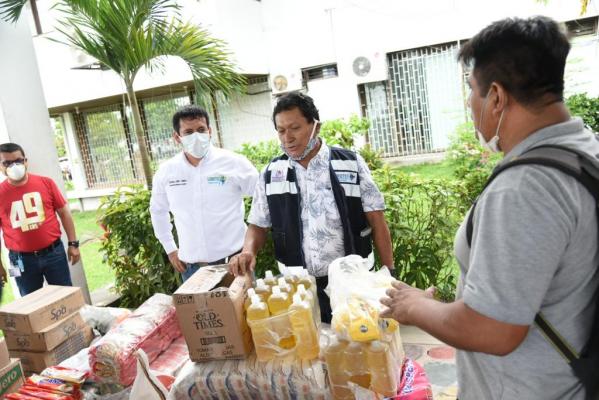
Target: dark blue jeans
{"type": "Point", "coordinates": [192, 268]}
{"type": "Point", "coordinates": [52, 265]}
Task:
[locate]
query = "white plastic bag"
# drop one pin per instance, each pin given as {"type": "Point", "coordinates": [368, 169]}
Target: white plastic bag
{"type": "Point", "coordinates": [146, 385]}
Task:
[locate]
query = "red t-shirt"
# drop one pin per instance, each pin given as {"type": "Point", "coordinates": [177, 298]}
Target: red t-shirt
{"type": "Point", "coordinates": [28, 213]}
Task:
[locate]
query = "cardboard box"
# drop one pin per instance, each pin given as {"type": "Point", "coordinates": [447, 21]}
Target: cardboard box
{"type": "Point", "coordinates": [11, 377]}
{"type": "Point", "coordinates": [37, 362]}
{"type": "Point", "coordinates": [48, 338]}
{"type": "Point", "coordinates": [4, 359]}
{"type": "Point", "coordinates": [211, 316]}
{"type": "Point", "coordinates": [40, 309]}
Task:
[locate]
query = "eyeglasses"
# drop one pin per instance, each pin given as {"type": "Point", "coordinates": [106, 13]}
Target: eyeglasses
{"type": "Point", "coordinates": [8, 163]}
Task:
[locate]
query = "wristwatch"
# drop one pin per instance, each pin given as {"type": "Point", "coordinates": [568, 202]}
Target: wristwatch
{"type": "Point", "coordinates": [74, 243]}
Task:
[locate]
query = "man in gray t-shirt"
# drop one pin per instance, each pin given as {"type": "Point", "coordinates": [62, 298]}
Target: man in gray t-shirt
{"type": "Point", "coordinates": [534, 240]}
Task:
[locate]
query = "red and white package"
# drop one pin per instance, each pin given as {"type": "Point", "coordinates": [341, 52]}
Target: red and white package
{"type": "Point", "coordinates": [172, 359]}
{"type": "Point", "coordinates": [152, 328]}
{"type": "Point", "coordinates": [414, 383]}
{"type": "Point", "coordinates": [66, 374]}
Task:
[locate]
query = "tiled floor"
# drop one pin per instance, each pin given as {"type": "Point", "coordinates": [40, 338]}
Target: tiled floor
{"type": "Point", "coordinates": [437, 359]}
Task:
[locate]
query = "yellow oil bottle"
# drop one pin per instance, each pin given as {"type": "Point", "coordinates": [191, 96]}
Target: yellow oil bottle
{"type": "Point", "coordinates": [269, 278]}
{"type": "Point", "coordinates": [382, 369]}
{"type": "Point", "coordinates": [256, 314]}
{"type": "Point", "coordinates": [334, 356]}
{"type": "Point", "coordinates": [278, 302]}
{"type": "Point", "coordinates": [304, 328]}
{"type": "Point", "coordinates": [262, 289]}
{"type": "Point", "coordinates": [363, 321]}
{"type": "Point", "coordinates": [285, 287]}
{"type": "Point", "coordinates": [357, 365]}
{"type": "Point", "coordinates": [248, 298]}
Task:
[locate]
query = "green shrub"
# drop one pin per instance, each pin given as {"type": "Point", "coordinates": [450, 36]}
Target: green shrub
{"type": "Point", "coordinates": [140, 264]}
{"type": "Point", "coordinates": [423, 216]}
{"type": "Point", "coordinates": [587, 108]}
{"type": "Point", "coordinates": [262, 153]}
{"type": "Point", "coordinates": [471, 163]}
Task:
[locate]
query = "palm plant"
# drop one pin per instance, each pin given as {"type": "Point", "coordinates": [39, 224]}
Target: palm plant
{"type": "Point", "coordinates": [127, 35]}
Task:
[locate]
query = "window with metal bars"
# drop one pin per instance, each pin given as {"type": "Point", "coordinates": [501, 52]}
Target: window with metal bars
{"type": "Point", "coordinates": [582, 27]}
{"type": "Point", "coordinates": [320, 72]}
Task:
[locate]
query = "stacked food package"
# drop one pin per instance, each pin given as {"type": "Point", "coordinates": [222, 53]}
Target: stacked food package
{"type": "Point", "coordinates": [53, 383]}
{"type": "Point", "coordinates": [45, 327]}
{"type": "Point", "coordinates": [152, 328]}
{"type": "Point", "coordinates": [365, 350]}
{"type": "Point", "coordinates": [283, 315]}
{"type": "Point", "coordinates": [281, 378]}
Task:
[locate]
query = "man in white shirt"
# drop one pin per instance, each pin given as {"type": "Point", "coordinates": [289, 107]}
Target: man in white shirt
{"type": "Point", "coordinates": [203, 187]}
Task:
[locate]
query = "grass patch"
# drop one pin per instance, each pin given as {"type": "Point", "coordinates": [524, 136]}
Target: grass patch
{"type": "Point", "coordinates": [430, 170]}
{"type": "Point", "coordinates": [98, 273]}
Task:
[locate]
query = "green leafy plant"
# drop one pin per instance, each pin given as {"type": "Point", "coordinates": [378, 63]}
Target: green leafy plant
{"type": "Point", "coordinates": [471, 163]}
{"type": "Point", "coordinates": [140, 264]}
{"type": "Point", "coordinates": [586, 107]}
{"type": "Point", "coordinates": [260, 154]}
{"type": "Point", "coordinates": [423, 216]}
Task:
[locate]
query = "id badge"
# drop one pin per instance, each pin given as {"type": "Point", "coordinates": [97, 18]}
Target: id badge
{"type": "Point", "coordinates": [14, 271]}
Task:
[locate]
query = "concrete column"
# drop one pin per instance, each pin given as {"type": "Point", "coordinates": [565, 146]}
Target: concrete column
{"type": "Point", "coordinates": [24, 115]}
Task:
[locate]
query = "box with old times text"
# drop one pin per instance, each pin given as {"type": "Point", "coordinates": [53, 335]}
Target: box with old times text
{"type": "Point", "coordinates": [40, 309]}
{"type": "Point", "coordinates": [210, 312]}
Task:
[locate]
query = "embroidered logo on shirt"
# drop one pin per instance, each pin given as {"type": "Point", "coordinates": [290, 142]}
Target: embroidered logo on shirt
{"type": "Point", "coordinates": [279, 175]}
{"type": "Point", "coordinates": [347, 177]}
{"type": "Point", "coordinates": [217, 180]}
{"type": "Point", "coordinates": [178, 182]}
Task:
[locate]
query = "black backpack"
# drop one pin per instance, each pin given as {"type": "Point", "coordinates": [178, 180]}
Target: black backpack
{"type": "Point", "coordinates": [586, 364]}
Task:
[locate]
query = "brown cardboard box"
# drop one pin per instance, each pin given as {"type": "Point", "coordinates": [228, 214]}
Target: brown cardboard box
{"type": "Point", "coordinates": [40, 309]}
{"type": "Point", "coordinates": [210, 312]}
{"type": "Point", "coordinates": [11, 377]}
{"type": "Point", "coordinates": [37, 362]}
{"type": "Point", "coordinates": [4, 359]}
{"type": "Point", "coordinates": [48, 338]}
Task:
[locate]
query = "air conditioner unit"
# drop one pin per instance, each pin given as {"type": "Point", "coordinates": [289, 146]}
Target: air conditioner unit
{"type": "Point", "coordinates": [81, 60]}
{"type": "Point", "coordinates": [370, 67]}
{"type": "Point", "coordinates": [285, 82]}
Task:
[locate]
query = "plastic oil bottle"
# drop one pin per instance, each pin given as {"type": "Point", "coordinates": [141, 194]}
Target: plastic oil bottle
{"type": "Point", "coordinates": [248, 299]}
{"type": "Point", "coordinates": [262, 289]}
{"type": "Point", "coordinates": [269, 278]}
{"type": "Point", "coordinates": [357, 364]}
{"type": "Point", "coordinates": [292, 280]}
{"type": "Point", "coordinates": [278, 304]}
{"type": "Point", "coordinates": [334, 356]}
{"type": "Point", "coordinates": [304, 328]}
{"type": "Point", "coordinates": [305, 294]}
{"type": "Point", "coordinates": [308, 281]}
{"type": "Point", "coordinates": [382, 369]}
{"type": "Point", "coordinates": [257, 311]}
{"type": "Point", "coordinates": [285, 287]}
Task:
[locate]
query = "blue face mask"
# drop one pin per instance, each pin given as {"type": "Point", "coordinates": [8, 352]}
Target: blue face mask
{"type": "Point", "coordinates": [311, 145]}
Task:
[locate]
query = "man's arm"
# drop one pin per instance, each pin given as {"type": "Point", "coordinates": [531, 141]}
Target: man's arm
{"type": "Point", "coordinates": [161, 222]}
{"type": "Point", "coordinates": [381, 237]}
{"type": "Point", "coordinates": [453, 323]}
{"type": "Point", "coordinates": [69, 227]}
{"type": "Point", "coordinates": [255, 237]}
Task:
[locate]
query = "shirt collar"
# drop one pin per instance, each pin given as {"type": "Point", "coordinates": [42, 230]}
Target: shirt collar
{"type": "Point", "coordinates": [572, 126]}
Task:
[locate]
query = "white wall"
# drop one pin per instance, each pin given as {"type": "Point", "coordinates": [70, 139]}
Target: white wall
{"type": "Point", "coordinates": [24, 114]}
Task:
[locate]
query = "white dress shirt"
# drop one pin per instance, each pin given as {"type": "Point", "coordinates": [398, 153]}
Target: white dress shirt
{"type": "Point", "coordinates": [321, 224]}
{"type": "Point", "coordinates": [206, 202]}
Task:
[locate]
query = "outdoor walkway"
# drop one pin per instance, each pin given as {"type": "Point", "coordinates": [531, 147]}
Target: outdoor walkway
{"type": "Point", "coordinates": [437, 359]}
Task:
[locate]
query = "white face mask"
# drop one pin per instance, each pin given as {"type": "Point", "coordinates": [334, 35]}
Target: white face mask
{"type": "Point", "coordinates": [196, 144]}
{"type": "Point", "coordinates": [309, 147]}
{"type": "Point", "coordinates": [493, 144]}
{"type": "Point", "coordinates": [16, 172]}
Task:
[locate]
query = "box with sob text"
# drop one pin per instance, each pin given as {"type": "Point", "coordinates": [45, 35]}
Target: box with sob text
{"type": "Point", "coordinates": [211, 315]}
{"type": "Point", "coordinates": [40, 309]}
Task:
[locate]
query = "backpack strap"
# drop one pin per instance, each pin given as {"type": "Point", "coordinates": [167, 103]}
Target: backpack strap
{"type": "Point", "coordinates": [572, 163]}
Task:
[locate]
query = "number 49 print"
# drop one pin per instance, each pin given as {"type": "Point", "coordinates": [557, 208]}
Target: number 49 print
{"type": "Point", "coordinates": [31, 204]}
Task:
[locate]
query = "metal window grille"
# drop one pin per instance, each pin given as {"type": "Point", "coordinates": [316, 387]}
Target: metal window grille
{"type": "Point", "coordinates": [420, 105]}
{"type": "Point", "coordinates": [321, 72]}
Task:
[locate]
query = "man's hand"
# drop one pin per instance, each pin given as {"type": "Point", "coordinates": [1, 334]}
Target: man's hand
{"type": "Point", "coordinates": [3, 277]}
{"type": "Point", "coordinates": [402, 299]}
{"type": "Point", "coordinates": [74, 255]}
{"type": "Point", "coordinates": [177, 264]}
{"type": "Point", "coordinates": [241, 263]}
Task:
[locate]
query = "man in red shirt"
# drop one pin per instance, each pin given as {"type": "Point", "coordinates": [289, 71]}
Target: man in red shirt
{"type": "Point", "coordinates": [29, 205]}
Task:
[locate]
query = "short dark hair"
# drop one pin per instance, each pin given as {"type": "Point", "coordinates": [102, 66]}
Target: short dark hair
{"type": "Point", "coordinates": [298, 100]}
{"type": "Point", "coordinates": [190, 111]}
{"type": "Point", "coordinates": [11, 148]}
{"type": "Point", "coordinates": [526, 56]}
